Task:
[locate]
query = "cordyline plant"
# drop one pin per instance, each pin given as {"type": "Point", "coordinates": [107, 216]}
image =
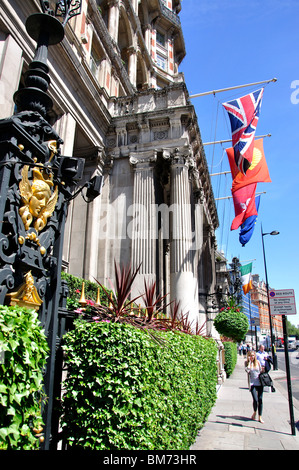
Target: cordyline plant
{"type": "Point", "coordinates": [119, 306]}
{"type": "Point", "coordinates": [177, 321]}
{"type": "Point", "coordinates": [180, 321]}
{"type": "Point", "coordinates": [153, 302]}
{"type": "Point", "coordinates": [120, 309]}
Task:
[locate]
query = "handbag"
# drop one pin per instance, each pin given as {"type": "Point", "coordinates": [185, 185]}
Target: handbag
{"type": "Point", "coordinates": [266, 380]}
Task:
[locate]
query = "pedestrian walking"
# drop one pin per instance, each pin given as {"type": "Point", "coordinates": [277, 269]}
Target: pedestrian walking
{"type": "Point", "coordinates": [264, 359]}
{"type": "Point", "coordinates": [253, 369]}
{"type": "Point", "coordinates": [262, 355]}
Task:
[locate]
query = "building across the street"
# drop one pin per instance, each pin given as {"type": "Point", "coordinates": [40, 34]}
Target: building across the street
{"type": "Point", "coordinates": [260, 299]}
{"type": "Point", "coordinates": [251, 311]}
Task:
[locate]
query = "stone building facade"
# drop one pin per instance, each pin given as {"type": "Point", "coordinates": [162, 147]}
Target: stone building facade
{"type": "Point", "coordinates": [120, 102]}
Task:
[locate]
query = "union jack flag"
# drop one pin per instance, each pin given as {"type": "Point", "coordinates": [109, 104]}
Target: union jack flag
{"type": "Point", "coordinates": [244, 114]}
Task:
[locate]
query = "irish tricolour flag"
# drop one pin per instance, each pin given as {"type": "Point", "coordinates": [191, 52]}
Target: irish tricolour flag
{"type": "Point", "coordinates": [246, 277]}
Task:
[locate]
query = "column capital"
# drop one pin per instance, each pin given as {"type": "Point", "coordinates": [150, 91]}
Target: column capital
{"type": "Point", "coordinates": [182, 157]}
{"type": "Point", "coordinates": [143, 161]}
{"type": "Point", "coordinates": [166, 154]}
{"type": "Point", "coordinates": [113, 3]}
{"type": "Point", "coordinates": [131, 50]}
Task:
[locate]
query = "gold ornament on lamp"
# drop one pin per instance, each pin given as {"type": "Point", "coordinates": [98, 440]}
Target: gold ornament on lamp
{"type": "Point", "coordinates": [38, 201]}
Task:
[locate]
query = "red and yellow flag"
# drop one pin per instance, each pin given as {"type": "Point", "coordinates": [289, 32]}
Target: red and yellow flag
{"type": "Point", "coordinates": [257, 172]}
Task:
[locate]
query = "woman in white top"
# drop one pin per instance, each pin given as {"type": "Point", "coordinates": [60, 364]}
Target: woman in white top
{"type": "Point", "coordinates": [253, 368]}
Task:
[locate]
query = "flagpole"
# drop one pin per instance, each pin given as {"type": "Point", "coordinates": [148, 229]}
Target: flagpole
{"type": "Point", "coordinates": [229, 197]}
{"type": "Point", "coordinates": [268, 297]}
{"type": "Point", "coordinates": [221, 173]}
{"type": "Point", "coordinates": [247, 260]}
{"type": "Point", "coordinates": [230, 140]}
{"type": "Point", "coordinates": [250, 318]}
{"type": "Point", "coordinates": [213, 92]}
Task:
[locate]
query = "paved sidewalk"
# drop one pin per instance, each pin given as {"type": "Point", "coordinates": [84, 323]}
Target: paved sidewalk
{"type": "Point", "coordinates": [229, 426]}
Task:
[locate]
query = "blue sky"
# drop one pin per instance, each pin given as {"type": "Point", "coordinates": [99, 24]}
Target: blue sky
{"type": "Point", "coordinates": [235, 42]}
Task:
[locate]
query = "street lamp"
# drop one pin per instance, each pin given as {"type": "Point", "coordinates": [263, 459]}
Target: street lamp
{"type": "Point", "coordinates": [47, 30]}
{"type": "Point", "coordinates": [236, 282]}
{"type": "Point", "coordinates": [30, 155]}
{"type": "Point", "coordinates": [274, 232]}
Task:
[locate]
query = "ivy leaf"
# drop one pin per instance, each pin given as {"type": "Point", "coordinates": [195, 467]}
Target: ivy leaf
{"type": "Point", "coordinates": [3, 400]}
{"type": "Point", "coordinates": [14, 344]}
{"type": "Point", "coordinates": [138, 402]}
{"type": "Point", "coordinates": [25, 348]}
{"type": "Point", "coordinates": [3, 433]}
{"type": "Point", "coordinates": [11, 411]}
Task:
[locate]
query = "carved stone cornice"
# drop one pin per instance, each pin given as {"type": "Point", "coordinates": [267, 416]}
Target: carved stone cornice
{"type": "Point", "coordinates": [199, 195]}
{"type": "Point", "coordinates": [101, 156]}
{"type": "Point", "coordinates": [108, 163]}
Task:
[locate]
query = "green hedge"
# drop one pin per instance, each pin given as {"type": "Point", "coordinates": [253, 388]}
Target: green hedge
{"type": "Point", "coordinates": [126, 391]}
{"type": "Point", "coordinates": [75, 286]}
{"type": "Point", "coordinates": [231, 355]}
{"type": "Point", "coordinates": [24, 350]}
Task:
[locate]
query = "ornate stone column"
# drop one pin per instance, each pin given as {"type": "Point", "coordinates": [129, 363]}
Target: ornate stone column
{"type": "Point", "coordinates": [113, 18]}
{"type": "Point", "coordinates": [132, 65]}
{"type": "Point", "coordinates": [147, 36]}
{"type": "Point", "coordinates": [199, 224]}
{"type": "Point", "coordinates": [143, 227]}
{"type": "Point", "coordinates": [208, 257]}
{"type": "Point", "coordinates": [91, 248]}
{"type": "Point", "coordinates": [183, 282]}
{"type": "Point", "coordinates": [135, 6]}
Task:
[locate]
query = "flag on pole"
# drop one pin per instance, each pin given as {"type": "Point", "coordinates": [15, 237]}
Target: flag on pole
{"type": "Point", "coordinates": [257, 172]}
{"type": "Point", "coordinates": [244, 203]}
{"type": "Point", "coordinates": [246, 277]}
{"type": "Point", "coordinates": [244, 114]}
{"type": "Point", "coordinates": [247, 227]}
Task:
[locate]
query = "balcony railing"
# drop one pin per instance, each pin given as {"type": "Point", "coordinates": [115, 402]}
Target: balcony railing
{"type": "Point", "coordinates": [169, 14]}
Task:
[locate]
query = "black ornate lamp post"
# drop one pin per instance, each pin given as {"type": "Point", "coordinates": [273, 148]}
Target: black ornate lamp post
{"type": "Point", "coordinates": [236, 282]}
{"type": "Point", "coordinates": [36, 185]}
{"type": "Point", "coordinates": [274, 232]}
{"type": "Point", "coordinates": [46, 29]}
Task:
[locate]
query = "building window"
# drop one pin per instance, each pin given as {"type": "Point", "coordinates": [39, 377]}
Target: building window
{"type": "Point", "coordinates": [94, 64]}
{"type": "Point", "coordinates": [160, 38]}
{"type": "Point", "coordinates": [161, 62]}
{"type": "Point", "coordinates": [96, 57]}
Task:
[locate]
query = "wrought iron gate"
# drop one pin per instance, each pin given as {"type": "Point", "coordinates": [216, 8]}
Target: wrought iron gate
{"type": "Point", "coordinates": [36, 185]}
